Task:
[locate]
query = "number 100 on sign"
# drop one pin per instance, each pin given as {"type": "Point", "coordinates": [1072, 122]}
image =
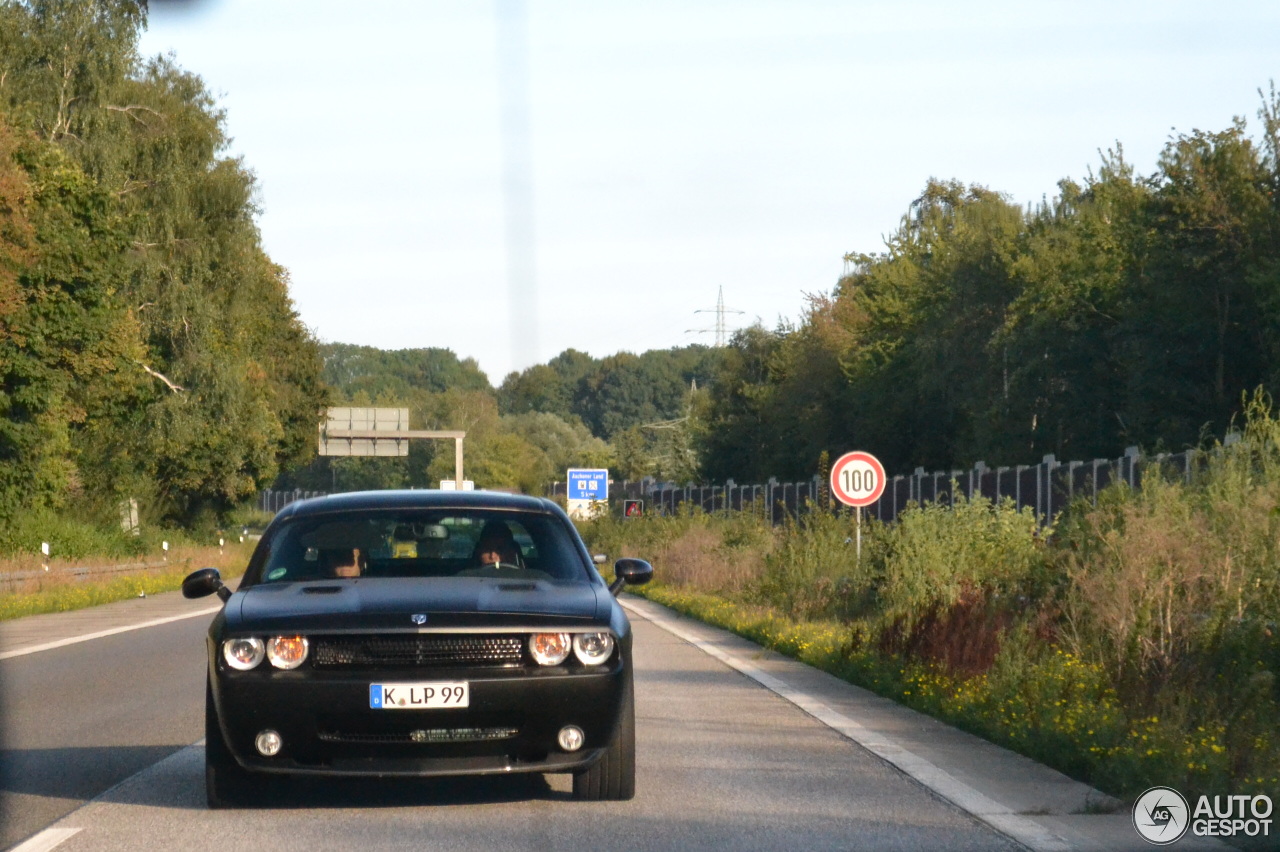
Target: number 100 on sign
{"type": "Point", "coordinates": [857, 479]}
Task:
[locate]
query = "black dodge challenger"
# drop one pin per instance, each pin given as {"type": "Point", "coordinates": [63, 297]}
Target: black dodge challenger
{"type": "Point", "coordinates": [419, 633]}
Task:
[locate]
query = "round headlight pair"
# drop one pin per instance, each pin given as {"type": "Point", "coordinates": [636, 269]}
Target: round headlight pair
{"type": "Point", "coordinates": [284, 652]}
{"type": "Point", "coordinates": [552, 649]}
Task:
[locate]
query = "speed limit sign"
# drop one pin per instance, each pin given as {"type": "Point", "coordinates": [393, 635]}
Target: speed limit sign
{"type": "Point", "coordinates": [857, 479]}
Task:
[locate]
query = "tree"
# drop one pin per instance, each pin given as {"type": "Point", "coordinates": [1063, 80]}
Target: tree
{"type": "Point", "coordinates": [149, 347]}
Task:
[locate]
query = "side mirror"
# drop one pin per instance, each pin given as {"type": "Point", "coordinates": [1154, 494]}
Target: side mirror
{"type": "Point", "coordinates": [630, 572]}
{"type": "Point", "coordinates": [206, 581]}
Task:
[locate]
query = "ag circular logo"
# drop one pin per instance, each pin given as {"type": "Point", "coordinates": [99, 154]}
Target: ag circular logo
{"type": "Point", "coordinates": [1161, 816]}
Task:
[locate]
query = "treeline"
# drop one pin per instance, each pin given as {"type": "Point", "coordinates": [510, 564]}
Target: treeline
{"type": "Point", "coordinates": [1127, 310]}
{"type": "Point", "coordinates": [148, 345]}
{"type": "Point", "coordinates": [630, 413]}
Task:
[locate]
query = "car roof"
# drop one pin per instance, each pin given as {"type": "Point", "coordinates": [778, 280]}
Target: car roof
{"type": "Point", "coordinates": [417, 499]}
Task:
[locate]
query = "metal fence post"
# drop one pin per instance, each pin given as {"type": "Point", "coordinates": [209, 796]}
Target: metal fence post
{"type": "Point", "coordinates": [1131, 456]}
{"type": "Point", "coordinates": [1049, 463]}
{"type": "Point", "coordinates": [1039, 504]}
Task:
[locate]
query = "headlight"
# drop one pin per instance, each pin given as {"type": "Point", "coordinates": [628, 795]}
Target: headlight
{"type": "Point", "coordinates": [287, 652]}
{"type": "Point", "coordinates": [243, 653]}
{"type": "Point", "coordinates": [549, 649]}
{"type": "Point", "coordinates": [592, 649]}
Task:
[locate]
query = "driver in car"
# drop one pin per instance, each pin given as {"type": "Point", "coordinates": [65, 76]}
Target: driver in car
{"type": "Point", "coordinates": [497, 546]}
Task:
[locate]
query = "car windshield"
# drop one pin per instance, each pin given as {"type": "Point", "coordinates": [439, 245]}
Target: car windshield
{"type": "Point", "coordinates": [418, 543]}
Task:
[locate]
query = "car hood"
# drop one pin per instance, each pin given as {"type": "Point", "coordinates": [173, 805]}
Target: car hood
{"type": "Point", "coordinates": [389, 603]}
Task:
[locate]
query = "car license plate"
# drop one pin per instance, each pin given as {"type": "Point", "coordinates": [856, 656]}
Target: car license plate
{"type": "Point", "coordinates": [430, 695]}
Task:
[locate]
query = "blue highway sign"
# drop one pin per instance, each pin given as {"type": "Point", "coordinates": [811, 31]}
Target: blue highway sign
{"type": "Point", "coordinates": [586, 484]}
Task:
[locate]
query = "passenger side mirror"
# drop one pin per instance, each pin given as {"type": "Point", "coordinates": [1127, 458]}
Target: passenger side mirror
{"type": "Point", "coordinates": [206, 581]}
{"type": "Point", "coordinates": [630, 572]}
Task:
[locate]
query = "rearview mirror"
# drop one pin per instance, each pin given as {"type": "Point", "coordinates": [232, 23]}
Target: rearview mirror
{"type": "Point", "coordinates": [630, 572]}
{"type": "Point", "coordinates": [206, 581]}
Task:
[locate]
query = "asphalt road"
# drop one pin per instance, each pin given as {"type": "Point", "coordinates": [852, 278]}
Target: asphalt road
{"type": "Point", "coordinates": [79, 719]}
{"type": "Point", "coordinates": [723, 764]}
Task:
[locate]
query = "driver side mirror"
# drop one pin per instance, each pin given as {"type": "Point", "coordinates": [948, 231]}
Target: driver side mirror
{"type": "Point", "coordinates": [206, 581]}
{"type": "Point", "coordinates": [630, 572]}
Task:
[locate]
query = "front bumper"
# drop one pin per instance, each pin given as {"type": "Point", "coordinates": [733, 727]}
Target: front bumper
{"type": "Point", "coordinates": [328, 728]}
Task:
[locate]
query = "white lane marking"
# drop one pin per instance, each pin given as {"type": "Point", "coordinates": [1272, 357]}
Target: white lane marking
{"type": "Point", "coordinates": [45, 840]}
{"type": "Point", "coordinates": [1026, 831]}
{"type": "Point", "coordinates": [49, 646]}
{"type": "Point", "coordinates": [51, 837]}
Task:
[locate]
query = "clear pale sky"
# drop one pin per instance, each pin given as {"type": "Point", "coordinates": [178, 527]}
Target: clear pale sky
{"type": "Point", "coordinates": [675, 147]}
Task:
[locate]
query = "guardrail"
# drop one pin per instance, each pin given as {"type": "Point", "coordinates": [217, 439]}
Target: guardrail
{"type": "Point", "coordinates": [81, 573]}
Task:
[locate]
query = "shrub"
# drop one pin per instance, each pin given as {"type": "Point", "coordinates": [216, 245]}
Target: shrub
{"type": "Point", "coordinates": [813, 572]}
{"type": "Point", "coordinates": [76, 537]}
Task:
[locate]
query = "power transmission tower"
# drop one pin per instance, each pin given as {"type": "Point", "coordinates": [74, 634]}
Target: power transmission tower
{"type": "Point", "coordinates": [720, 310]}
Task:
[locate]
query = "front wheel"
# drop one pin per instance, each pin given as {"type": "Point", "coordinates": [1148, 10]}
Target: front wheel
{"type": "Point", "coordinates": [226, 783]}
{"type": "Point", "coordinates": [613, 776]}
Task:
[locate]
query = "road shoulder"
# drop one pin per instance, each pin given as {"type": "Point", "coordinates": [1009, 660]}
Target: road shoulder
{"type": "Point", "coordinates": [20, 636]}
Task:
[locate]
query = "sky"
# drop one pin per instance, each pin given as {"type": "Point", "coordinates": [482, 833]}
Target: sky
{"type": "Point", "coordinates": [509, 181]}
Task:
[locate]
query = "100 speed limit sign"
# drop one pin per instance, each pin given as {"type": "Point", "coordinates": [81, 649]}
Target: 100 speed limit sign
{"type": "Point", "coordinates": [857, 479]}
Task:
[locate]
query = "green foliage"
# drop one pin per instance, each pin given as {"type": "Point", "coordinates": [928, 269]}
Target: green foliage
{"type": "Point", "coordinates": [813, 572]}
{"type": "Point", "coordinates": [148, 347]}
{"type": "Point", "coordinates": [937, 557]}
{"type": "Point", "coordinates": [612, 394]}
{"type": "Point", "coordinates": [73, 537]}
{"type": "Point", "coordinates": [720, 552]}
{"type": "Point", "coordinates": [398, 374]}
{"type": "Point", "coordinates": [1173, 590]}
{"type": "Point", "coordinates": [563, 443]}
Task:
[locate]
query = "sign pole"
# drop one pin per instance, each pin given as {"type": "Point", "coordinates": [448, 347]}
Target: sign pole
{"type": "Point", "coordinates": [457, 460]}
{"type": "Point", "coordinates": [858, 549]}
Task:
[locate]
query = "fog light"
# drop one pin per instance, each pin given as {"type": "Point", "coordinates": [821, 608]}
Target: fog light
{"type": "Point", "coordinates": [268, 743]}
{"type": "Point", "coordinates": [570, 738]}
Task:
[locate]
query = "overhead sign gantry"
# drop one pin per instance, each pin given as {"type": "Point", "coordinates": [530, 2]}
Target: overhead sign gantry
{"type": "Point", "coordinates": [380, 432]}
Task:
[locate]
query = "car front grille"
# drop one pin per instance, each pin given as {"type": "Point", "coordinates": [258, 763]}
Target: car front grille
{"type": "Point", "coordinates": [420, 651]}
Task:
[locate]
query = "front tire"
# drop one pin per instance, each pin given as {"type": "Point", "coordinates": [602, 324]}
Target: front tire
{"type": "Point", "coordinates": [613, 776]}
{"type": "Point", "coordinates": [226, 783]}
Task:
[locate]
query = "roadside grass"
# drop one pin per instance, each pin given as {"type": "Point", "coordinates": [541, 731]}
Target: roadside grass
{"type": "Point", "coordinates": [1060, 711]}
{"type": "Point", "coordinates": [61, 591]}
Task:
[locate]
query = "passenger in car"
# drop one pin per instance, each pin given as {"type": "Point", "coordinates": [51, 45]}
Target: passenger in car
{"type": "Point", "coordinates": [345, 563]}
